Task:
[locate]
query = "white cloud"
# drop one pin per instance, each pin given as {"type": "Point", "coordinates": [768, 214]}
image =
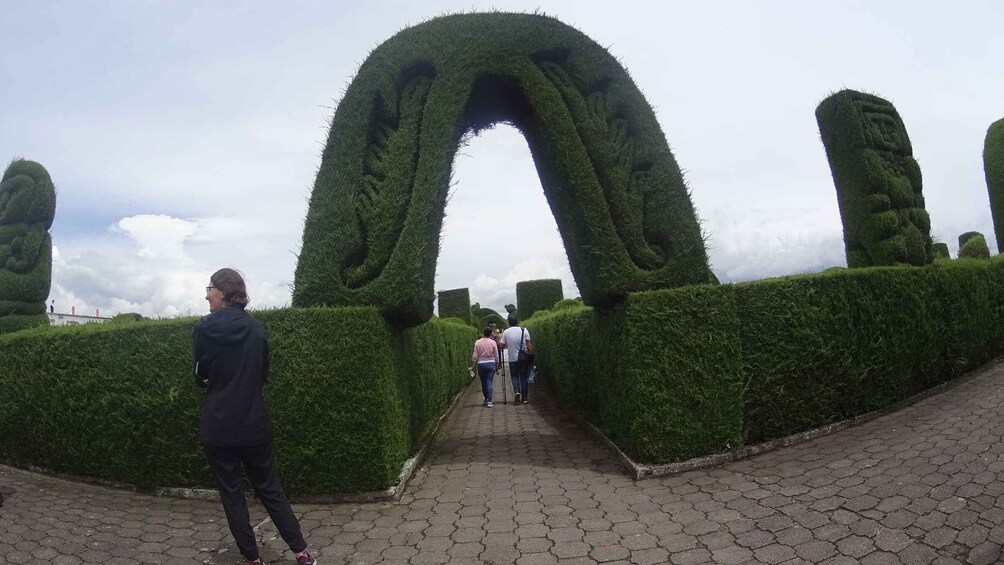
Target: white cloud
{"type": "Point", "coordinates": [159, 237]}
{"type": "Point", "coordinates": [154, 272]}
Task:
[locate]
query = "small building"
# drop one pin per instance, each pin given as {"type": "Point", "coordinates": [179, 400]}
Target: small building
{"type": "Point", "coordinates": [57, 319]}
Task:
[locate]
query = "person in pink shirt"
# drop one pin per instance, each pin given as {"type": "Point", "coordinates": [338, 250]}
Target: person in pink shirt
{"type": "Point", "coordinates": [484, 355]}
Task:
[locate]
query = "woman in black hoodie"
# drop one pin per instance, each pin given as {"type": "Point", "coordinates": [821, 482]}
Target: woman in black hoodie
{"type": "Point", "coordinates": [230, 361]}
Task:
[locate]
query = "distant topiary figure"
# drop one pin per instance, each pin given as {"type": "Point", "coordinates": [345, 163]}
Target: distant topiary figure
{"type": "Point", "coordinates": [993, 167]}
{"type": "Point", "coordinates": [376, 212]}
{"type": "Point", "coordinates": [485, 316]}
{"type": "Point", "coordinates": [973, 245]}
{"type": "Point", "coordinates": [964, 237]}
{"type": "Point", "coordinates": [941, 251]}
{"type": "Point", "coordinates": [27, 208]}
{"type": "Point", "coordinates": [455, 303]}
{"type": "Point", "coordinates": [537, 295]}
{"type": "Point", "coordinates": [126, 318]}
{"type": "Point", "coordinates": [877, 179]}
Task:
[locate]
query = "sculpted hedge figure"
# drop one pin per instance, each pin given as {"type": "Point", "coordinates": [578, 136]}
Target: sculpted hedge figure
{"type": "Point", "coordinates": [993, 166]}
{"type": "Point", "coordinates": [878, 181]}
{"type": "Point", "coordinates": [617, 194]}
{"type": "Point", "coordinates": [27, 208]}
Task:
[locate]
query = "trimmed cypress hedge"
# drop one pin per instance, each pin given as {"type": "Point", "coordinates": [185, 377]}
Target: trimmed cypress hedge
{"type": "Point", "coordinates": [993, 167]}
{"type": "Point", "coordinates": [973, 245]}
{"type": "Point", "coordinates": [878, 181]}
{"type": "Point", "coordinates": [27, 208]}
{"type": "Point", "coordinates": [964, 237]}
{"type": "Point", "coordinates": [349, 398]}
{"type": "Point", "coordinates": [536, 295]}
{"type": "Point", "coordinates": [615, 189]}
{"type": "Point", "coordinates": [455, 303]}
{"type": "Point", "coordinates": [677, 373]}
{"type": "Point", "coordinates": [940, 250]}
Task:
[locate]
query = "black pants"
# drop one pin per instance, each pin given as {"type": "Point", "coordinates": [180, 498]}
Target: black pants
{"type": "Point", "coordinates": [226, 464]}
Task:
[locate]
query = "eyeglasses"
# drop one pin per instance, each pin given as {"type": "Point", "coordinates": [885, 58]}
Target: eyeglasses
{"type": "Point", "coordinates": [208, 288]}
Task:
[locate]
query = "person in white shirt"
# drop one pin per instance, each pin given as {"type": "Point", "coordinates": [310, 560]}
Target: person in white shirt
{"type": "Point", "coordinates": [514, 339]}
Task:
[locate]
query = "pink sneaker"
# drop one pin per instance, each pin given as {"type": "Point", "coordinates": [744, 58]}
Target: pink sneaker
{"type": "Point", "coordinates": [305, 559]}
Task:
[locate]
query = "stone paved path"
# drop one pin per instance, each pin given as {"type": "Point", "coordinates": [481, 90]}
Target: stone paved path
{"type": "Point", "coordinates": [524, 484]}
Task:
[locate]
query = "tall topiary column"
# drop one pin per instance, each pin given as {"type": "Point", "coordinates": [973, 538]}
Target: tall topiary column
{"type": "Point", "coordinates": [455, 303]}
{"type": "Point", "coordinates": [993, 167]}
{"type": "Point", "coordinates": [973, 245]}
{"type": "Point", "coordinates": [27, 208]}
{"type": "Point", "coordinates": [617, 194]}
{"type": "Point", "coordinates": [941, 251]}
{"type": "Point", "coordinates": [540, 294]}
{"type": "Point", "coordinates": [877, 179]}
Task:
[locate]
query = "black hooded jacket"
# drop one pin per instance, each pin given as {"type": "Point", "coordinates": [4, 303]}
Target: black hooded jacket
{"type": "Point", "coordinates": [230, 359]}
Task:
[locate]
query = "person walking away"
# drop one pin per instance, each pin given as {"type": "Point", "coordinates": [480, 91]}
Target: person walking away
{"type": "Point", "coordinates": [484, 355]}
{"type": "Point", "coordinates": [230, 357]}
{"type": "Point", "coordinates": [515, 339]}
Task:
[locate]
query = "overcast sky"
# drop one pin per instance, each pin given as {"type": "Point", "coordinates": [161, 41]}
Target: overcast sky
{"type": "Point", "coordinates": [185, 136]}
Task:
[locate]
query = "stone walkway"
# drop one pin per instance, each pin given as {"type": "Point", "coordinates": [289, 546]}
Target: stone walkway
{"type": "Point", "coordinates": [524, 484]}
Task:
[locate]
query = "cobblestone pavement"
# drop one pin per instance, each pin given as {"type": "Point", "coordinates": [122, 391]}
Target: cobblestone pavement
{"type": "Point", "coordinates": [523, 484]}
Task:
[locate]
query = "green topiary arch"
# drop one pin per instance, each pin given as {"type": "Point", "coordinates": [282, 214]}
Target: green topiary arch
{"type": "Point", "coordinates": [617, 194]}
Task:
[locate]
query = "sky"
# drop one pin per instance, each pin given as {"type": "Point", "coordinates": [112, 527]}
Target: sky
{"type": "Point", "coordinates": [184, 136]}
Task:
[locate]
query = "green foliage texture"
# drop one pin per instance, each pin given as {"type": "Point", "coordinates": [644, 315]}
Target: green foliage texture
{"type": "Point", "coordinates": [349, 397]}
{"type": "Point", "coordinates": [940, 250]}
{"type": "Point", "coordinates": [964, 237]}
{"type": "Point", "coordinates": [993, 167]}
{"type": "Point", "coordinates": [27, 208]}
{"type": "Point", "coordinates": [617, 194]}
{"type": "Point", "coordinates": [541, 294]}
{"type": "Point", "coordinates": [974, 246]}
{"type": "Point", "coordinates": [455, 303]}
{"type": "Point", "coordinates": [878, 181]}
{"type": "Point", "coordinates": [674, 374]}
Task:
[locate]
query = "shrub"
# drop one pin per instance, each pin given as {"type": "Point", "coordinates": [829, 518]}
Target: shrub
{"type": "Point", "coordinates": [973, 245]}
{"type": "Point", "coordinates": [455, 303]}
{"type": "Point", "coordinates": [941, 251]}
{"type": "Point", "coordinates": [878, 181]}
{"type": "Point", "coordinates": [125, 318]}
{"type": "Point", "coordinates": [566, 304]}
{"type": "Point", "coordinates": [117, 402]}
{"type": "Point", "coordinates": [618, 196]}
{"type": "Point", "coordinates": [541, 294]}
{"type": "Point", "coordinates": [27, 208]}
{"type": "Point", "coordinates": [963, 238]}
{"type": "Point", "coordinates": [993, 167]}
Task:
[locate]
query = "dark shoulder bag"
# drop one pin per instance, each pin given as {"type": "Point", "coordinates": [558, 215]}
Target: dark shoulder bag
{"type": "Point", "coordinates": [524, 356]}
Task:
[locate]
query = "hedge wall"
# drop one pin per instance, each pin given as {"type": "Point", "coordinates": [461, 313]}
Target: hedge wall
{"type": "Point", "coordinates": [678, 373]}
{"type": "Point", "coordinates": [993, 167]}
{"type": "Point", "coordinates": [376, 212]}
{"type": "Point", "coordinates": [27, 208]}
{"type": "Point", "coordinates": [661, 375]}
{"type": "Point", "coordinates": [877, 179]}
{"type": "Point", "coordinates": [349, 398]}
{"type": "Point", "coordinates": [536, 295]}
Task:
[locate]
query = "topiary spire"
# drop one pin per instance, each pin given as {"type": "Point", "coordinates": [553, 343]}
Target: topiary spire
{"type": "Point", "coordinates": [993, 166]}
{"type": "Point", "coordinates": [877, 179]}
{"type": "Point", "coordinates": [27, 208]}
